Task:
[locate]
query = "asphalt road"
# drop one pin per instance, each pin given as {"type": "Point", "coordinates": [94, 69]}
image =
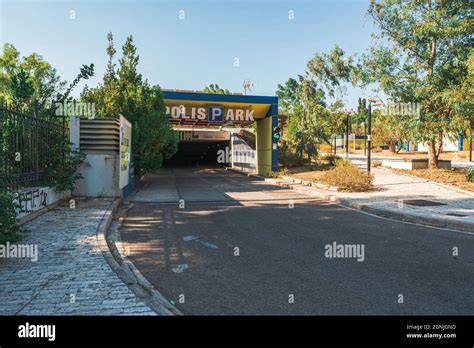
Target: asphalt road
{"type": "Point", "coordinates": [282, 239]}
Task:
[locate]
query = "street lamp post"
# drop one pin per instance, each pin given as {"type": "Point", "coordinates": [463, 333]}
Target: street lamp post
{"type": "Point", "coordinates": [470, 145]}
{"type": "Point", "coordinates": [347, 137]}
{"type": "Point", "coordinates": [369, 135]}
{"type": "Point", "coordinates": [376, 101]}
{"type": "Point", "coordinates": [348, 115]}
{"type": "Point", "coordinates": [365, 138]}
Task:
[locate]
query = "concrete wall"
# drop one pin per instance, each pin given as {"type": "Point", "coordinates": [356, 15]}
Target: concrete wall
{"type": "Point", "coordinates": [100, 171]}
{"type": "Point", "coordinates": [31, 200]}
{"type": "Point", "coordinates": [448, 145]}
{"type": "Point", "coordinates": [413, 164]}
{"type": "Point", "coordinates": [101, 177]}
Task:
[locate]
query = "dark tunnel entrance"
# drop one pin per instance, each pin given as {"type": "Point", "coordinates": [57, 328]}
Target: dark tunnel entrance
{"type": "Point", "coordinates": [196, 153]}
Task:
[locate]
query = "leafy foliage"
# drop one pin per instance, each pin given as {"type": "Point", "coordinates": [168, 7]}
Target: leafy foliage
{"type": "Point", "coordinates": [470, 175]}
{"type": "Point", "coordinates": [332, 70]}
{"type": "Point", "coordinates": [303, 103]}
{"type": "Point", "coordinates": [31, 84]}
{"type": "Point", "coordinates": [423, 56]}
{"type": "Point", "coordinates": [8, 225]}
{"type": "Point", "coordinates": [64, 171]}
{"type": "Point", "coordinates": [215, 89]}
{"type": "Point", "coordinates": [125, 91]}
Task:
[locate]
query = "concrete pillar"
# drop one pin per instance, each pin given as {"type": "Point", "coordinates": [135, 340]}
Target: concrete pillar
{"type": "Point", "coordinates": [264, 146]}
{"type": "Point", "coordinates": [274, 143]}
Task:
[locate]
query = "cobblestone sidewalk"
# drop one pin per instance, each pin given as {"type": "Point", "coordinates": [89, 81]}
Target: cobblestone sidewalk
{"type": "Point", "coordinates": [71, 276]}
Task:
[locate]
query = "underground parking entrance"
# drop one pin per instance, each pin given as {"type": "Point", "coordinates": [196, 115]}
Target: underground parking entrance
{"type": "Point", "coordinates": [231, 130]}
{"type": "Point", "coordinates": [201, 148]}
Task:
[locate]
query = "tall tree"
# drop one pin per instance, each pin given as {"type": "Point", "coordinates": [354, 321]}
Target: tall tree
{"type": "Point", "coordinates": [332, 71]}
{"type": "Point", "coordinates": [422, 57]}
{"type": "Point", "coordinates": [30, 83]}
{"type": "Point", "coordinates": [303, 102]}
{"type": "Point", "coordinates": [125, 91]}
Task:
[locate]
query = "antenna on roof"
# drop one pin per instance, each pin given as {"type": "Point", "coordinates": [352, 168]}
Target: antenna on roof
{"type": "Point", "coordinates": [248, 85]}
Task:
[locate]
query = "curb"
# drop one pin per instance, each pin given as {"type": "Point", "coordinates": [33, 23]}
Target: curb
{"type": "Point", "coordinates": [398, 216]}
{"type": "Point", "coordinates": [255, 176]}
{"type": "Point", "coordinates": [389, 214]}
{"type": "Point", "coordinates": [127, 271]}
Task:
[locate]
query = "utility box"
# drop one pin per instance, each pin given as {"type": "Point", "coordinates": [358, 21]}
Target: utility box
{"type": "Point", "coordinates": [107, 144]}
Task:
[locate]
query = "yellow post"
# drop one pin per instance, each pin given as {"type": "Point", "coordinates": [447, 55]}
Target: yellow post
{"type": "Point", "coordinates": [264, 146]}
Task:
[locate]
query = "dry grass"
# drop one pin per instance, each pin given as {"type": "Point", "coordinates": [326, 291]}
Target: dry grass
{"type": "Point", "coordinates": [313, 175]}
{"type": "Point", "coordinates": [376, 163]}
{"type": "Point", "coordinates": [307, 172]}
{"type": "Point", "coordinates": [347, 177]}
{"type": "Point", "coordinates": [461, 156]}
{"type": "Point", "coordinates": [453, 177]}
{"type": "Point", "coordinates": [344, 175]}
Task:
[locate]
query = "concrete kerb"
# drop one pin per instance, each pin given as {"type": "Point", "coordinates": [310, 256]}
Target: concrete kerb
{"type": "Point", "coordinates": [252, 175]}
{"type": "Point", "coordinates": [385, 213]}
{"type": "Point", "coordinates": [127, 271]}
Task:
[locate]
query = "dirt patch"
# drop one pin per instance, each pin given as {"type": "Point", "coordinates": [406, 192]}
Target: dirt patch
{"type": "Point", "coordinates": [459, 156]}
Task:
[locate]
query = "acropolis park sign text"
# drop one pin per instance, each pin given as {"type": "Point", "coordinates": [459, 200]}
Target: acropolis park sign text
{"type": "Point", "coordinates": [211, 114]}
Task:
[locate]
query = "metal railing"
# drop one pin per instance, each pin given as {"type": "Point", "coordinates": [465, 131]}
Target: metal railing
{"type": "Point", "coordinates": [31, 148]}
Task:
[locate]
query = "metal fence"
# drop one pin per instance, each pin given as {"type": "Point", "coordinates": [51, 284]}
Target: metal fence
{"type": "Point", "coordinates": [31, 148]}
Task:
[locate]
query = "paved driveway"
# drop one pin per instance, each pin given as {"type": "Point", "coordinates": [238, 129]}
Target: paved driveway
{"type": "Point", "coordinates": [241, 246]}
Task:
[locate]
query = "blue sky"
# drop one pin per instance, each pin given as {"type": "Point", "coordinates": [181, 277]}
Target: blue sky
{"type": "Point", "coordinates": [193, 52]}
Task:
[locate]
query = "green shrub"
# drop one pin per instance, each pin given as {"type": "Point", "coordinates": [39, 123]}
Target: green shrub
{"type": "Point", "coordinates": [348, 177]}
{"type": "Point", "coordinates": [470, 175]}
{"type": "Point", "coordinates": [65, 170]}
{"type": "Point", "coordinates": [9, 229]}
